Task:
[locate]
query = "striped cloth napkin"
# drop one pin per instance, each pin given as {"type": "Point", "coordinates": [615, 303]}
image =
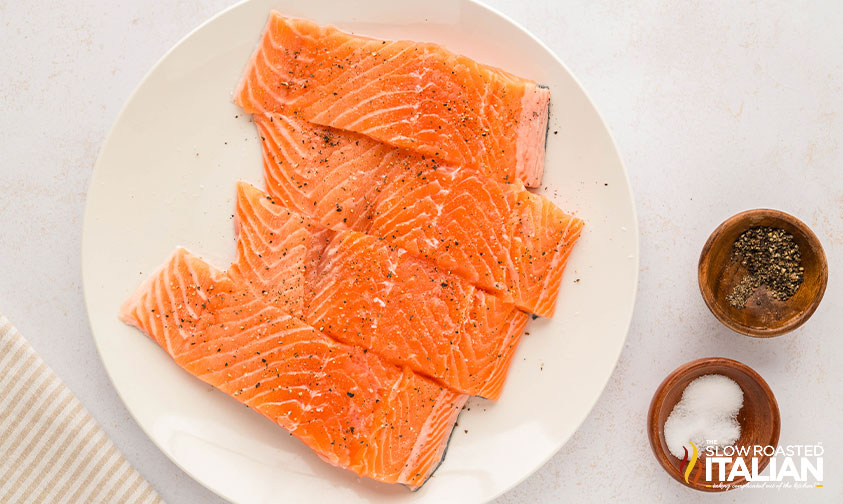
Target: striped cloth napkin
{"type": "Point", "coordinates": [51, 449]}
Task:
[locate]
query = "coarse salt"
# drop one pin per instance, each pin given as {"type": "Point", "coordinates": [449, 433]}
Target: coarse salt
{"type": "Point", "coordinates": [706, 415]}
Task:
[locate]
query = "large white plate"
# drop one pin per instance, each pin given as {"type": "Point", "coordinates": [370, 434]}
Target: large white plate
{"type": "Point", "coordinates": [166, 176]}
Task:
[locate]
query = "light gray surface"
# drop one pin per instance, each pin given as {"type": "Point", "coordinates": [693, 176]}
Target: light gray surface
{"type": "Point", "coordinates": [715, 109]}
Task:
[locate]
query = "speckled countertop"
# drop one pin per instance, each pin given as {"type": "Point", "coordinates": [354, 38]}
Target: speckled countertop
{"type": "Point", "coordinates": [716, 107]}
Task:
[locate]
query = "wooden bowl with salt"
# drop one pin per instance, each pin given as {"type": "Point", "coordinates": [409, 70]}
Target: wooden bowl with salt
{"type": "Point", "coordinates": [758, 417]}
{"type": "Point", "coordinates": [763, 315]}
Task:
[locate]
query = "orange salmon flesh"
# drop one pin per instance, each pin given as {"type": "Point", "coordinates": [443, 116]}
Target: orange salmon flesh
{"type": "Point", "coordinates": [418, 96]}
{"type": "Point", "coordinates": [390, 268]}
{"type": "Point", "coordinates": [499, 237]}
{"type": "Point", "coordinates": [362, 291]}
{"type": "Point", "coordinates": [350, 406]}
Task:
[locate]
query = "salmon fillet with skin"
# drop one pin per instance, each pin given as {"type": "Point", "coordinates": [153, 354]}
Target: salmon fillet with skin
{"type": "Point", "coordinates": [413, 95]}
{"type": "Point", "coordinates": [367, 293]}
{"type": "Point", "coordinates": [351, 407]}
{"type": "Point", "coordinates": [497, 236]}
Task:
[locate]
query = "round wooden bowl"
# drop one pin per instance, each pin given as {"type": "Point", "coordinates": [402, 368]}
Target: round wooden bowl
{"type": "Point", "coordinates": [763, 316]}
{"type": "Point", "coordinates": [759, 418]}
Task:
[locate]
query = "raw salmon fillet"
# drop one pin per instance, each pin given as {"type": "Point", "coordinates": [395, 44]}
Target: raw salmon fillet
{"type": "Point", "coordinates": [497, 236]}
{"type": "Point", "coordinates": [542, 239]}
{"type": "Point", "coordinates": [413, 95]}
{"type": "Point", "coordinates": [330, 175]}
{"type": "Point", "coordinates": [368, 293]}
{"type": "Point", "coordinates": [454, 217]}
{"type": "Point", "coordinates": [389, 271]}
{"type": "Point", "coordinates": [351, 407]}
{"type": "Point", "coordinates": [275, 247]}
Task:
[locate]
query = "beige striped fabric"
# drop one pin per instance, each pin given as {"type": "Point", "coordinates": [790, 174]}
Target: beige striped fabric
{"type": "Point", "coordinates": [51, 449]}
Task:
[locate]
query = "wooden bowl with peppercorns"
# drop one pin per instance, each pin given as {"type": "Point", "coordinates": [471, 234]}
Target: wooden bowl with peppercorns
{"type": "Point", "coordinates": [762, 273]}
